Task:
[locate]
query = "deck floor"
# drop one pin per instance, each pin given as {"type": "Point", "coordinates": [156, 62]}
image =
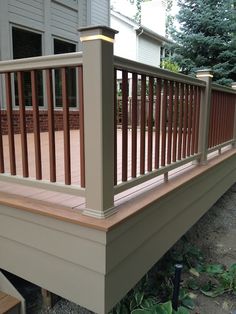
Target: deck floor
{"type": "Point", "coordinates": [9, 192]}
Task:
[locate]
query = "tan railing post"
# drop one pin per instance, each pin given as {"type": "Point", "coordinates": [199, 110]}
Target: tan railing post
{"type": "Point", "coordinates": [206, 76]}
{"type": "Point", "coordinates": [234, 144]}
{"type": "Point", "coordinates": [98, 74]}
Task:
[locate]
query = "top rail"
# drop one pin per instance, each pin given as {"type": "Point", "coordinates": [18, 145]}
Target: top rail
{"type": "Point", "coordinates": [141, 68]}
{"type": "Point", "coordinates": [42, 62]}
{"type": "Point", "coordinates": [220, 88]}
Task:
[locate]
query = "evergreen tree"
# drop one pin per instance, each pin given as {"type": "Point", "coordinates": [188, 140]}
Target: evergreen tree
{"type": "Point", "coordinates": [207, 38]}
{"type": "Point", "coordinates": [169, 18]}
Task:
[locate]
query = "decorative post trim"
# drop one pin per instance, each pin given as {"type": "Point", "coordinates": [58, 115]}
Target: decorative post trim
{"type": "Point", "coordinates": [98, 75]}
{"type": "Point", "coordinates": [206, 76]}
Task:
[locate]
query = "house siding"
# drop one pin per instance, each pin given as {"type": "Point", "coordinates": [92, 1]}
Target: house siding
{"type": "Point", "coordinates": [26, 12]}
{"type": "Point", "coordinates": [148, 51]}
{"type": "Point", "coordinates": [125, 40]}
{"type": "Point", "coordinates": [64, 21]}
{"type": "Point", "coordinates": [100, 12]}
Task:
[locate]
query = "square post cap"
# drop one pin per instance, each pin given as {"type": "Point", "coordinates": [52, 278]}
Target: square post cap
{"type": "Point", "coordinates": [204, 73]}
{"type": "Point", "coordinates": [97, 32]}
{"type": "Point", "coordinates": [233, 85]}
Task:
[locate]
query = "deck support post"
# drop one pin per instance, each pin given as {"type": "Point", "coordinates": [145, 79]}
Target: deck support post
{"type": "Point", "coordinates": [234, 135]}
{"type": "Point", "coordinates": [98, 77]}
{"type": "Point", "coordinates": [205, 105]}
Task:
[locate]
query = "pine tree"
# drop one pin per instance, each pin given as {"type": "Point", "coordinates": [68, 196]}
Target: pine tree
{"type": "Point", "coordinates": [169, 17]}
{"type": "Point", "coordinates": [207, 38]}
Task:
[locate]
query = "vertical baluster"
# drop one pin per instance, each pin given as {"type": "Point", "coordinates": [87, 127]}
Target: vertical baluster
{"type": "Point", "coordinates": [81, 125]}
{"type": "Point", "coordinates": [190, 120]}
{"type": "Point", "coordinates": [228, 119]}
{"type": "Point", "coordinates": [214, 118]}
{"type": "Point", "coordinates": [170, 114]}
{"type": "Point", "coordinates": [220, 118]}
{"type": "Point", "coordinates": [24, 149]}
{"type": "Point", "coordinates": [124, 125]}
{"type": "Point", "coordinates": [150, 123]}
{"type": "Point", "coordinates": [194, 106]}
{"type": "Point", "coordinates": [163, 125]}
{"type": "Point", "coordinates": [232, 103]}
{"type": "Point", "coordinates": [210, 134]}
{"type": "Point", "coordinates": [115, 127]}
{"type": "Point", "coordinates": [51, 131]}
{"type": "Point", "coordinates": [197, 119]}
{"type": "Point", "coordinates": [157, 122]}
{"type": "Point", "coordinates": [143, 124]}
{"type": "Point", "coordinates": [176, 93]}
{"type": "Point", "coordinates": [37, 147]}
{"type": "Point", "coordinates": [134, 125]}
{"type": "Point", "coordinates": [224, 115]}
{"type": "Point", "coordinates": [10, 124]}
{"type": "Point", "coordinates": [185, 121]}
{"type": "Point", "coordinates": [180, 133]}
{"type": "Point", "coordinates": [2, 167]}
{"type": "Point", "coordinates": [66, 128]}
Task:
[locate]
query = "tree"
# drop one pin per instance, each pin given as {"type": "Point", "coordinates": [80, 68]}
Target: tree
{"type": "Point", "coordinates": [207, 38]}
{"type": "Point", "coordinates": [169, 17]}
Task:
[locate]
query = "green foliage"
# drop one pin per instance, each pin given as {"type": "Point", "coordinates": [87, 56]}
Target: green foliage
{"type": "Point", "coordinates": [167, 64]}
{"type": "Point", "coordinates": [153, 293]}
{"type": "Point", "coordinates": [169, 17]}
{"type": "Point", "coordinates": [219, 280]}
{"type": "Point", "coordinates": [206, 38]}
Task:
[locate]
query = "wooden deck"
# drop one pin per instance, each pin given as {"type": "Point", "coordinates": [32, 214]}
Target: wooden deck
{"type": "Point", "coordinates": [68, 207]}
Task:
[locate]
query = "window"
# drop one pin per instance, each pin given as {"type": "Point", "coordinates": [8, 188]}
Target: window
{"type": "Point", "coordinates": [27, 44]}
{"type": "Point", "coordinates": [65, 47]}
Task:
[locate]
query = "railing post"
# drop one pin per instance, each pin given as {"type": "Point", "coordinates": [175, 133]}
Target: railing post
{"type": "Point", "coordinates": [98, 77]}
{"type": "Point", "coordinates": [234, 144]}
{"type": "Point", "coordinates": [205, 105]}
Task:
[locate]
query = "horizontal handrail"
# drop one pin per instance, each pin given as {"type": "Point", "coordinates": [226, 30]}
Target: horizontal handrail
{"type": "Point", "coordinates": [217, 147]}
{"type": "Point", "coordinates": [141, 68]}
{"type": "Point", "coordinates": [44, 184]}
{"type": "Point", "coordinates": [42, 62]}
{"type": "Point", "coordinates": [121, 187]}
{"type": "Point", "coordinates": [221, 88]}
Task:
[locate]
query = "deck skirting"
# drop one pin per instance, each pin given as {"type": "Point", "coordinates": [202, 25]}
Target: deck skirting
{"type": "Point", "coordinates": [96, 265]}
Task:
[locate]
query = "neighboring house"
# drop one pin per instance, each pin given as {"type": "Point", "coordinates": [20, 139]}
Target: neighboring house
{"type": "Point", "coordinates": [136, 42]}
{"type": "Point", "coordinates": [143, 42]}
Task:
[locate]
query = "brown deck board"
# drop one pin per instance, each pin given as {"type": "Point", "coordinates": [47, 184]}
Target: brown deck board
{"type": "Point", "coordinates": [69, 208]}
{"type": "Point", "coordinates": [7, 302]}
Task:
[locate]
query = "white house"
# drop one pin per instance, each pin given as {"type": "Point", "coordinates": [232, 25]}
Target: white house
{"type": "Point", "coordinates": [143, 42]}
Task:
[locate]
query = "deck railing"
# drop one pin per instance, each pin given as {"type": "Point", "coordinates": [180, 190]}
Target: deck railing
{"type": "Point", "coordinates": [136, 122]}
{"type": "Point", "coordinates": [36, 78]}
{"type": "Point", "coordinates": [222, 117]}
{"type": "Point", "coordinates": [166, 134]}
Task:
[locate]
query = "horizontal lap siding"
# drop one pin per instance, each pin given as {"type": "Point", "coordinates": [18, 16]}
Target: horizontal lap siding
{"type": "Point", "coordinates": [83, 12]}
{"type": "Point", "coordinates": [100, 12]}
{"type": "Point", "coordinates": [149, 51]}
{"type": "Point", "coordinates": [64, 19]}
{"type": "Point", "coordinates": [23, 9]}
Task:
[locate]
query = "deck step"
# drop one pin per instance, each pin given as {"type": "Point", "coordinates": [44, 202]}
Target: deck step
{"type": "Point", "coordinates": [9, 304]}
